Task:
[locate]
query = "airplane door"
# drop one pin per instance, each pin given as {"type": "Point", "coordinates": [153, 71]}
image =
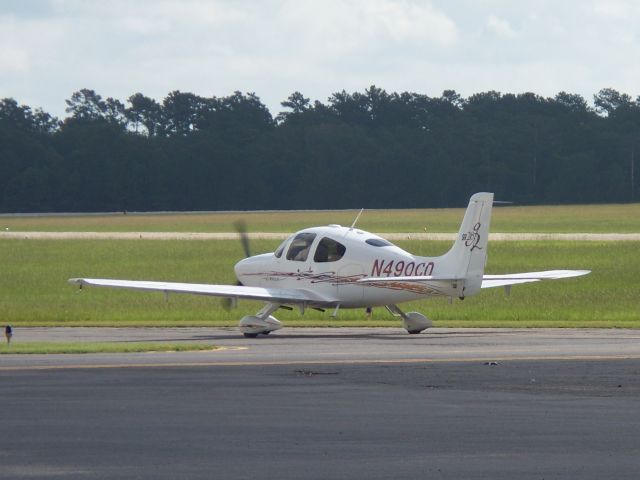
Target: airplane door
{"type": "Point", "coordinates": [347, 286]}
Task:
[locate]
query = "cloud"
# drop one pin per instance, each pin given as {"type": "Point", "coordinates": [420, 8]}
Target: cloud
{"type": "Point", "coordinates": [616, 9]}
{"type": "Point", "coordinates": [27, 45]}
{"type": "Point", "coordinates": [350, 25]}
{"type": "Point", "coordinates": [274, 47]}
{"type": "Point", "coordinates": [500, 27]}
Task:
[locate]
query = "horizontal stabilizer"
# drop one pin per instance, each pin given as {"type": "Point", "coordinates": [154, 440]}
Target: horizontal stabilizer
{"type": "Point", "coordinates": [489, 281]}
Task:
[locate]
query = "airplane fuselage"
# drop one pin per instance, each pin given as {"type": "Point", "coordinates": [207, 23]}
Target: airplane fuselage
{"type": "Point", "coordinates": [364, 255]}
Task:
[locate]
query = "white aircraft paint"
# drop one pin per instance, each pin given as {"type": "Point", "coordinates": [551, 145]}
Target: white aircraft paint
{"type": "Point", "coordinates": [335, 267]}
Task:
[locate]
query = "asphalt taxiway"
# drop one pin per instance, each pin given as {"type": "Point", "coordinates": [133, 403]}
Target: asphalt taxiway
{"type": "Point", "coordinates": [319, 403]}
{"type": "Point", "coordinates": [333, 345]}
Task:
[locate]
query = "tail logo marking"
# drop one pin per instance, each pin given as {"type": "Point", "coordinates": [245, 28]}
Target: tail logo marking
{"type": "Point", "coordinates": [472, 239]}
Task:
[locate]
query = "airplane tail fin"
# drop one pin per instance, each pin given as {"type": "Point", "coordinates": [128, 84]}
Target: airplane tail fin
{"type": "Point", "coordinates": [468, 256]}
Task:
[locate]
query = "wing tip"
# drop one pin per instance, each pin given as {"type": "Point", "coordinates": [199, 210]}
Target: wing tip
{"type": "Point", "coordinates": [576, 273]}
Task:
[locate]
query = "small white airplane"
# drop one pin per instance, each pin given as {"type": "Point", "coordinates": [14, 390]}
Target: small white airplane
{"type": "Point", "coordinates": [335, 267]}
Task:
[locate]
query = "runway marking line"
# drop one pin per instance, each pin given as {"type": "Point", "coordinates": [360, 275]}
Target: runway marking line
{"type": "Point", "coordinates": [321, 362]}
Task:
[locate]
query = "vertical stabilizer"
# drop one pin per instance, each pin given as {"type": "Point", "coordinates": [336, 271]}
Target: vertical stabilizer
{"type": "Point", "coordinates": [468, 256]}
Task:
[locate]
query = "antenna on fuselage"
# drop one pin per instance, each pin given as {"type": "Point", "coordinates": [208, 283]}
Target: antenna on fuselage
{"type": "Point", "coordinates": [356, 220]}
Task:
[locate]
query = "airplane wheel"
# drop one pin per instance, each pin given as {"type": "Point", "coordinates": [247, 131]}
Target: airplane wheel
{"type": "Point", "coordinates": [251, 335]}
{"type": "Point", "coordinates": [411, 332]}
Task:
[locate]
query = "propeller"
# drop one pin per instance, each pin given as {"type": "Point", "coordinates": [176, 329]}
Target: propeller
{"type": "Point", "coordinates": [241, 228]}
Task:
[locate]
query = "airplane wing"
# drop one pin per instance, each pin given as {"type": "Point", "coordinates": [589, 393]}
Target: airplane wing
{"type": "Point", "coordinates": [488, 281]}
{"type": "Point", "coordinates": [274, 295]}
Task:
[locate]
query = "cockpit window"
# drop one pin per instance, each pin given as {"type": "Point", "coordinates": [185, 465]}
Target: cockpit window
{"type": "Point", "coordinates": [300, 246]}
{"type": "Point", "coordinates": [378, 242]}
{"type": "Point", "coordinates": [280, 249]}
{"type": "Point", "coordinates": [329, 251]}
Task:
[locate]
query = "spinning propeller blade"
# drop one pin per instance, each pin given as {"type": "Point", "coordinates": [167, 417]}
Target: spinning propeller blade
{"type": "Point", "coordinates": [241, 228]}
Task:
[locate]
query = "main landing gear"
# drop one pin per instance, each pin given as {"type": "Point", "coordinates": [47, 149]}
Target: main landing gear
{"type": "Point", "coordinates": [263, 323]}
{"type": "Point", "coordinates": [260, 323]}
{"type": "Point", "coordinates": [413, 322]}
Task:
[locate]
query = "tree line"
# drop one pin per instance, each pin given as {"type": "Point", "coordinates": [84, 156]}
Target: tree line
{"type": "Point", "coordinates": [374, 149]}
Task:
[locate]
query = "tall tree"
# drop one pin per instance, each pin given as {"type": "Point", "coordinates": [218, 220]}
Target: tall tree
{"type": "Point", "coordinates": [86, 104]}
{"type": "Point", "coordinates": [147, 112]}
{"type": "Point", "coordinates": [608, 100]}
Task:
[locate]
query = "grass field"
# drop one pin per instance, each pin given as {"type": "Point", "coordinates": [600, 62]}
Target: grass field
{"type": "Point", "coordinates": [33, 288]}
{"type": "Point", "coordinates": [548, 219]}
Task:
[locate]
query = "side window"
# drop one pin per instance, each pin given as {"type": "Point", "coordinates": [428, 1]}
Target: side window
{"type": "Point", "coordinates": [300, 246]}
{"type": "Point", "coordinates": [378, 242]}
{"type": "Point", "coordinates": [329, 251]}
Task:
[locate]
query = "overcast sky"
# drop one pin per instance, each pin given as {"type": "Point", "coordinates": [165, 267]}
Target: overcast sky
{"type": "Point", "coordinates": [51, 48]}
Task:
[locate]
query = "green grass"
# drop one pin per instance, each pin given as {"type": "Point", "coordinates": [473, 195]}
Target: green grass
{"type": "Point", "coordinates": [624, 218]}
{"type": "Point", "coordinates": [34, 292]}
{"type": "Point", "coordinates": [99, 347]}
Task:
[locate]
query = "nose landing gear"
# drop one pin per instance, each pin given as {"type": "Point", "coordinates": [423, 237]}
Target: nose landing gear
{"type": "Point", "coordinates": [260, 323]}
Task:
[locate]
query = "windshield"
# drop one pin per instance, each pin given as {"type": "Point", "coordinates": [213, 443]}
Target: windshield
{"type": "Point", "coordinates": [280, 249]}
